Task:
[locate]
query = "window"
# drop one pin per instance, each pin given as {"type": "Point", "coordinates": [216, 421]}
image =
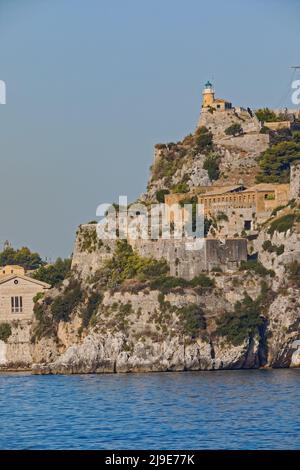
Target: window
{"type": "Point", "coordinates": [16, 304]}
{"type": "Point", "coordinates": [247, 225]}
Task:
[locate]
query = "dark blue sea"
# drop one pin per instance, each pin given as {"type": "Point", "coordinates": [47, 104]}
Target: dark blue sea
{"type": "Point", "coordinates": [192, 410]}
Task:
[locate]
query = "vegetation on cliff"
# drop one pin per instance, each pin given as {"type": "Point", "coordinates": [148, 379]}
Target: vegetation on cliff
{"type": "Point", "coordinates": [234, 130]}
{"type": "Point", "coordinates": [212, 164]}
{"type": "Point", "coordinates": [203, 139]}
{"type": "Point", "coordinates": [242, 323]}
{"type": "Point", "coordinates": [293, 270]}
{"type": "Point", "coordinates": [284, 223]}
{"type": "Point", "coordinates": [50, 311]}
{"type": "Point", "coordinates": [276, 160]}
{"type": "Point", "coordinates": [88, 239]}
{"type": "Point", "coordinates": [5, 331]}
{"type": "Point", "coordinates": [127, 264]}
{"type": "Point", "coordinates": [125, 271]}
{"type": "Point", "coordinates": [257, 268]}
{"type": "Point", "coordinates": [172, 156]}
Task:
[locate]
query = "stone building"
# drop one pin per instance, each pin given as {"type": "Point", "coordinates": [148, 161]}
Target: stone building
{"type": "Point", "coordinates": [239, 209]}
{"type": "Point", "coordinates": [16, 294]}
{"type": "Point", "coordinates": [277, 125]}
{"type": "Point", "coordinates": [261, 198]}
{"type": "Point", "coordinates": [226, 255]}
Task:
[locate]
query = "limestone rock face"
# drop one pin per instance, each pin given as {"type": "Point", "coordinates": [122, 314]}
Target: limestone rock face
{"type": "Point", "coordinates": [107, 354]}
{"type": "Point", "coordinates": [217, 122]}
{"type": "Point", "coordinates": [15, 353]}
{"type": "Point", "coordinates": [283, 330]}
{"type": "Point", "coordinates": [290, 243]}
{"type": "Point", "coordinates": [191, 171]}
{"type": "Point", "coordinates": [147, 344]}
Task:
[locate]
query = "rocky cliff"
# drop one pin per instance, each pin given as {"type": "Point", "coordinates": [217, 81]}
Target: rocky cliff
{"type": "Point", "coordinates": [150, 306]}
{"type": "Point", "coordinates": [244, 319]}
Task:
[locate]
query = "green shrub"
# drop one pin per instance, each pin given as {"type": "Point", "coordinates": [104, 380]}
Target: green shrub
{"type": "Point", "coordinates": [180, 188]}
{"type": "Point", "coordinates": [153, 269]}
{"type": "Point", "coordinates": [217, 269]}
{"type": "Point", "coordinates": [64, 304]}
{"type": "Point", "coordinates": [293, 270]}
{"type": "Point", "coordinates": [201, 281]}
{"type": "Point", "coordinates": [44, 327]}
{"type": "Point", "coordinates": [211, 165]}
{"type": "Point", "coordinates": [256, 267]}
{"type": "Point", "coordinates": [207, 224]}
{"type": "Point", "coordinates": [296, 136]}
{"type": "Point", "coordinates": [264, 130]}
{"type": "Point", "coordinates": [234, 129]}
{"type": "Point", "coordinates": [38, 297]}
{"type": "Point", "coordinates": [266, 115]}
{"type": "Point", "coordinates": [192, 320]}
{"type": "Point", "coordinates": [5, 331]}
{"type": "Point", "coordinates": [241, 324]}
{"type": "Point", "coordinates": [168, 162]}
{"type": "Point", "coordinates": [282, 225]}
{"type": "Point", "coordinates": [160, 195]}
{"type": "Point", "coordinates": [167, 283]}
{"type": "Point", "coordinates": [268, 246]}
{"type": "Point", "coordinates": [90, 310]}
{"type": "Point", "coordinates": [203, 139]}
{"type": "Point", "coordinates": [222, 216]}
{"type": "Point", "coordinates": [277, 209]}
{"type": "Point", "coordinates": [127, 264]}
{"type": "Point", "coordinates": [275, 162]}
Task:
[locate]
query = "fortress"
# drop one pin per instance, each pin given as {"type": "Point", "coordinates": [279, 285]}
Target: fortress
{"type": "Point", "coordinates": [240, 208]}
{"type": "Point", "coordinates": [235, 209]}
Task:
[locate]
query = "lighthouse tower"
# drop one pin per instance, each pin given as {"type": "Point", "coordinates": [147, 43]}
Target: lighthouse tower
{"type": "Point", "coordinates": [208, 95]}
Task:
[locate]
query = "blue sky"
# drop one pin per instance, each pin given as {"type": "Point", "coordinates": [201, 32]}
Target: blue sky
{"type": "Point", "coordinates": [92, 85]}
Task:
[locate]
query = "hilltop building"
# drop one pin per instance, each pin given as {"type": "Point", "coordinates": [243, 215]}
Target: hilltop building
{"type": "Point", "coordinates": [210, 102]}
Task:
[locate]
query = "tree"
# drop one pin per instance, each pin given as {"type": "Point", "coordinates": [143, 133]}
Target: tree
{"type": "Point", "coordinates": [55, 273]}
{"type": "Point", "coordinates": [5, 331]}
{"type": "Point", "coordinates": [22, 257]}
{"type": "Point", "coordinates": [296, 136]}
{"type": "Point", "coordinates": [266, 115]}
{"type": "Point", "coordinates": [241, 324]}
{"type": "Point", "coordinates": [203, 139]}
{"type": "Point", "coordinates": [180, 188]}
{"type": "Point", "coordinates": [234, 129]}
{"type": "Point", "coordinates": [211, 165]}
{"type": "Point", "coordinates": [160, 195]}
{"type": "Point", "coordinates": [275, 162]}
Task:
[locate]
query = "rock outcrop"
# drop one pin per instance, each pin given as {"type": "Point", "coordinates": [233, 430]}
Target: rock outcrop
{"type": "Point", "coordinates": [213, 310]}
